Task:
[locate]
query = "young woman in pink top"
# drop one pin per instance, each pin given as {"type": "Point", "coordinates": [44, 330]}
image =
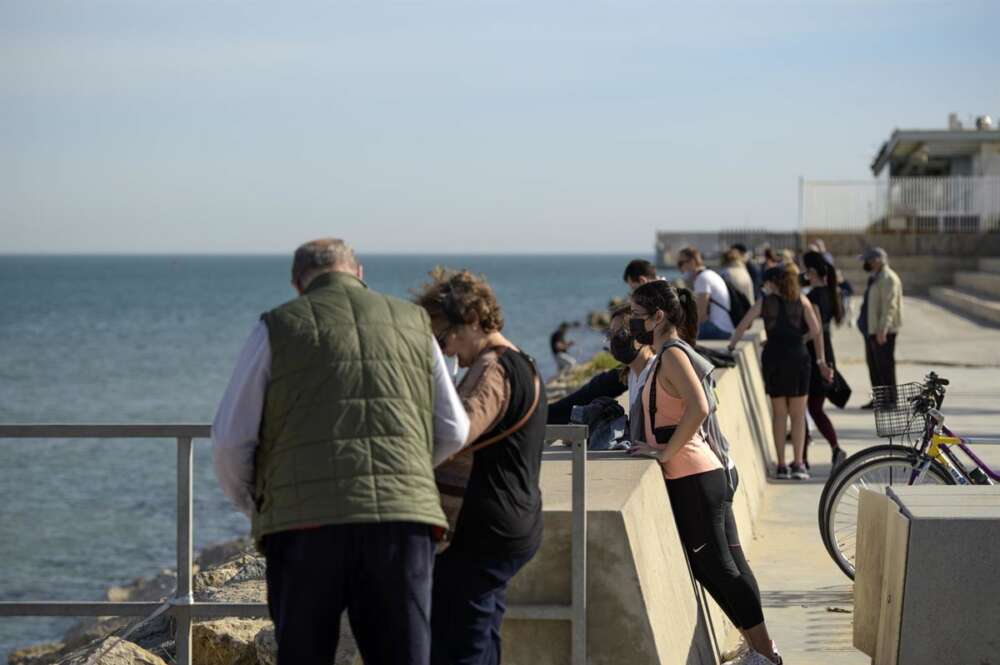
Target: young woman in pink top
{"type": "Point", "coordinates": [675, 406]}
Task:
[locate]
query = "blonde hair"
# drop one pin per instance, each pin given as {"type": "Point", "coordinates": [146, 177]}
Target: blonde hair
{"type": "Point", "coordinates": [788, 284]}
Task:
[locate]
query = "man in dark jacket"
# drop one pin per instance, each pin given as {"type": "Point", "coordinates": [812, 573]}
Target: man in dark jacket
{"type": "Point", "coordinates": [338, 409]}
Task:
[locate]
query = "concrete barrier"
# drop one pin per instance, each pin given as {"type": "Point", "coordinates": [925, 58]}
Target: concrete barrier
{"type": "Point", "coordinates": [643, 604]}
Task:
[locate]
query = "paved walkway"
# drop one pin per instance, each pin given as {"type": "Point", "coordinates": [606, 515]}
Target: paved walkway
{"type": "Point", "coordinates": [807, 600]}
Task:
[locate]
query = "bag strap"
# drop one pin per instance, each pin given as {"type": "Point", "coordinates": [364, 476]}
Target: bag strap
{"type": "Point", "coordinates": [479, 445]}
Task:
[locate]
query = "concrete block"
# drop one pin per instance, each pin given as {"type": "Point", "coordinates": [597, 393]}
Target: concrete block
{"type": "Point", "coordinates": [984, 283]}
{"type": "Point", "coordinates": [989, 265]}
{"type": "Point", "coordinates": [968, 304]}
{"type": "Point", "coordinates": [939, 595]}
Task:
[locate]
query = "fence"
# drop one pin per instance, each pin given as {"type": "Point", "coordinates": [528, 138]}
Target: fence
{"type": "Point", "coordinates": [182, 606]}
{"type": "Point", "coordinates": [953, 204]}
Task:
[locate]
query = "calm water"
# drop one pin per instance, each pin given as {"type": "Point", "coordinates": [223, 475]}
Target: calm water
{"type": "Point", "coordinates": [139, 339]}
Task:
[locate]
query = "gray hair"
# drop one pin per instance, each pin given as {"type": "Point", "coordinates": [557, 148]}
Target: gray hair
{"type": "Point", "coordinates": [319, 256]}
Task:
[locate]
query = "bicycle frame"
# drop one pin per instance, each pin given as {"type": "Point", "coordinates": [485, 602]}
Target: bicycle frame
{"type": "Point", "coordinates": [942, 443]}
{"type": "Point", "coordinates": [936, 447]}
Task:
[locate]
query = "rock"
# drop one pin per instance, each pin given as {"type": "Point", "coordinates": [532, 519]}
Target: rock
{"type": "Point", "coordinates": [112, 651]}
{"type": "Point", "coordinates": [251, 591]}
{"type": "Point", "coordinates": [215, 555]}
{"type": "Point", "coordinates": [143, 590]}
{"type": "Point", "coordinates": [226, 641]}
{"type": "Point", "coordinates": [37, 654]}
{"type": "Point", "coordinates": [347, 648]}
{"type": "Point", "coordinates": [86, 631]}
{"type": "Point", "coordinates": [242, 568]}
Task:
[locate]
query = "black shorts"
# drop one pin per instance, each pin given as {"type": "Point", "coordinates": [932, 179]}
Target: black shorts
{"type": "Point", "coordinates": [786, 374]}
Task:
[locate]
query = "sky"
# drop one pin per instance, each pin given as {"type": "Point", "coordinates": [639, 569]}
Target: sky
{"type": "Point", "coordinates": [145, 126]}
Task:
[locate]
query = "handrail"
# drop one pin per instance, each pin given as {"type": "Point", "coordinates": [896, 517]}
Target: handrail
{"type": "Point", "coordinates": [184, 609]}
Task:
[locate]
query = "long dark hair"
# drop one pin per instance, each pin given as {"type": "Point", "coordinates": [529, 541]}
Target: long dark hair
{"type": "Point", "coordinates": [678, 304]}
{"type": "Point", "coordinates": [818, 262]}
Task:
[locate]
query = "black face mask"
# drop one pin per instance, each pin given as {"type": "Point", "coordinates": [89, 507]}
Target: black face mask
{"type": "Point", "coordinates": [867, 265]}
{"type": "Point", "coordinates": [637, 327]}
{"type": "Point", "coordinates": [622, 347]}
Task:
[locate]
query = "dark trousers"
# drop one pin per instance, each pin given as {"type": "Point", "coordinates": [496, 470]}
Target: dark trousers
{"type": "Point", "coordinates": [380, 573]}
{"type": "Point", "coordinates": [882, 360]}
{"type": "Point", "coordinates": [470, 598]}
{"type": "Point", "coordinates": [703, 511]}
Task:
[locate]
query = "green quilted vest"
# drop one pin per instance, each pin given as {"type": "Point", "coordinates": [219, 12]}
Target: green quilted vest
{"type": "Point", "coordinates": [347, 429]}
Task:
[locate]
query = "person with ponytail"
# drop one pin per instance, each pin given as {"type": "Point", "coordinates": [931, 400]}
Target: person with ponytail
{"type": "Point", "coordinates": [826, 301]}
{"type": "Point", "coordinates": [788, 317]}
{"type": "Point", "coordinates": [673, 423]}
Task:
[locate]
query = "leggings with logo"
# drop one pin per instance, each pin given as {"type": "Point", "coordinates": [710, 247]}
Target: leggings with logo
{"type": "Point", "coordinates": [703, 510]}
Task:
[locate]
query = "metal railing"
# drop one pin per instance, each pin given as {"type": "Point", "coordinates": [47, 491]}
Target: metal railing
{"type": "Point", "coordinates": [184, 609]}
{"type": "Point", "coordinates": [952, 204]}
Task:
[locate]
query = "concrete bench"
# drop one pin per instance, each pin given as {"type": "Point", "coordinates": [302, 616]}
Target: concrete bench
{"type": "Point", "coordinates": [927, 588]}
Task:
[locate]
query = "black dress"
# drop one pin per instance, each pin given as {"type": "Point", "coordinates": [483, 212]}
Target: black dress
{"type": "Point", "coordinates": [786, 362]}
{"type": "Point", "coordinates": [821, 298]}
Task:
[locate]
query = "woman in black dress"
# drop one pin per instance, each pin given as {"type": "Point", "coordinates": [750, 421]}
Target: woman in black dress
{"type": "Point", "coordinates": [824, 295]}
{"type": "Point", "coordinates": [787, 367]}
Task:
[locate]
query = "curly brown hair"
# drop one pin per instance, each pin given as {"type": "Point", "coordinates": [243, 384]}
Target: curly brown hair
{"type": "Point", "coordinates": [460, 297]}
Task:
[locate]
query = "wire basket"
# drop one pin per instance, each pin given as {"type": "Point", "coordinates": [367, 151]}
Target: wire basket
{"type": "Point", "coordinates": [895, 414]}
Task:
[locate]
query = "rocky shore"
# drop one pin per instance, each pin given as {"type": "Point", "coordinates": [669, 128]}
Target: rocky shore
{"type": "Point", "coordinates": [228, 572]}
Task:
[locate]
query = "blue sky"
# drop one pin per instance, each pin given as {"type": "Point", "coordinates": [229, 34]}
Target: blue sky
{"type": "Point", "coordinates": [142, 126]}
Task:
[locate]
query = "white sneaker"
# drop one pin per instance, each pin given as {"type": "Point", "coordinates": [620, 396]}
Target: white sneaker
{"type": "Point", "coordinates": [755, 658]}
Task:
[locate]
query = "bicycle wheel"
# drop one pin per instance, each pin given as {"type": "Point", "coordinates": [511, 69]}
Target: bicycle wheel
{"type": "Point", "coordinates": [841, 523]}
{"type": "Point", "coordinates": [848, 465]}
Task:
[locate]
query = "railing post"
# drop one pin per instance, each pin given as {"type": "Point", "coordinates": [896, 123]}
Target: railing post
{"type": "Point", "coordinates": [579, 552]}
{"type": "Point", "coordinates": [185, 516]}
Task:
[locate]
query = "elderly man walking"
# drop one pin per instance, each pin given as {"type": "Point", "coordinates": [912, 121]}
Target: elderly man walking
{"type": "Point", "coordinates": [881, 317]}
{"type": "Point", "coordinates": [337, 411]}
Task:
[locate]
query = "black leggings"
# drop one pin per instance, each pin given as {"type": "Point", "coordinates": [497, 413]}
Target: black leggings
{"type": "Point", "coordinates": [703, 510]}
{"type": "Point", "coordinates": [821, 419]}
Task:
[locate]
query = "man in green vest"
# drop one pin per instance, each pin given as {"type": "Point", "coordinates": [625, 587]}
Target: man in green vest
{"type": "Point", "coordinates": [326, 438]}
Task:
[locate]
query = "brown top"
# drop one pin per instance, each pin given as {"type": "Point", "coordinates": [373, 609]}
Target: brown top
{"type": "Point", "coordinates": [485, 394]}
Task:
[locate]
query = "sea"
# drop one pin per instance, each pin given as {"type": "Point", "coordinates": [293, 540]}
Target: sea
{"type": "Point", "coordinates": [153, 339]}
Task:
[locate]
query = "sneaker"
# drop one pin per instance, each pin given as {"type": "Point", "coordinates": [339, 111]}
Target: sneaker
{"type": "Point", "coordinates": [754, 658]}
{"type": "Point", "coordinates": [799, 472]}
{"type": "Point", "coordinates": [838, 458]}
{"type": "Point", "coordinates": [782, 472]}
{"type": "Point", "coordinates": [775, 655]}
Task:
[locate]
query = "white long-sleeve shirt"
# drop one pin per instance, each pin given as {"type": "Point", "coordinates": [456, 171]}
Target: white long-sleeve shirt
{"type": "Point", "coordinates": [236, 427]}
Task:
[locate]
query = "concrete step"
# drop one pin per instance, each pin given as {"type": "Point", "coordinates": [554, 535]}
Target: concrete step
{"type": "Point", "coordinates": [984, 283]}
{"type": "Point", "coordinates": [991, 265]}
{"type": "Point", "coordinates": [973, 305]}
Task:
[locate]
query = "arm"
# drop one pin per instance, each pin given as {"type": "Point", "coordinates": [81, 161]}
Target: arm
{"type": "Point", "coordinates": [606, 384]}
{"type": "Point", "coordinates": [236, 427]}
{"type": "Point", "coordinates": [745, 324]}
{"type": "Point", "coordinates": [486, 400]}
{"type": "Point", "coordinates": [816, 334]}
{"type": "Point", "coordinates": [451, 424]}
{"type": "Point", "coordinates": [676, 370]}
{"type": "Point", "coordinates": [702, 300]}
{"type": "Point", "coordinates": [889, 309]}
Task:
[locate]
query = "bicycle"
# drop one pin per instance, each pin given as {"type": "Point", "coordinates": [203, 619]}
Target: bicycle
{"type": "Point", "coordinates": [934, 386]}
{"type": "Point", "coordinates": [900, 410]}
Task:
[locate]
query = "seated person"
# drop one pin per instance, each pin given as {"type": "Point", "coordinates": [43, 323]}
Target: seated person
{"type": "Point", "coordinates": [636, 358]}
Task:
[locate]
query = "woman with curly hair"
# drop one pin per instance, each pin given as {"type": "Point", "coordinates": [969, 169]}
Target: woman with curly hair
{"type": "Point", "coordinates": [490, 490]}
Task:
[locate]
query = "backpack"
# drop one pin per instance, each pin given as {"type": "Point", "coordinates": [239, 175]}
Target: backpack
{"type": "Point", "coordinates": [739, 304]}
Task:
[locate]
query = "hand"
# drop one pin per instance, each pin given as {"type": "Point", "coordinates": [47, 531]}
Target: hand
{"type": "Point", "coordinates": [826, 372]}
{"type": "Point", "coordinates": [731, 347]}
{"type": "Point", "coordinates": [643, 449]}
{"type": "Point", "coordinates": [881, 337]}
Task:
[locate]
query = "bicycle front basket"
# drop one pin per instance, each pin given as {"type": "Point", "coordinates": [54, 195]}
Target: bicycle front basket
{"type": "Point", "coordinates": [894, 409]}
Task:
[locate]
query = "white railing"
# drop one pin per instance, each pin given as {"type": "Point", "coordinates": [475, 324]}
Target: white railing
{"type": "Point", "coordinates": [954, 204]}
{"type": "Point", "coordinates": [184, 609]}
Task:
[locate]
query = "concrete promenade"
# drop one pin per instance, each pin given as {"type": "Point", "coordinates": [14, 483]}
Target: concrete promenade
{"type": "Point", "coordinates": [799, 582]}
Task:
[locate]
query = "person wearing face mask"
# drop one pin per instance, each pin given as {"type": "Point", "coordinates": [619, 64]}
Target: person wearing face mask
{"type": "Point", "coordinates": [491, 489]}
{"type": "Point", "coordinates": [635, 358]}
{"type": "Point", "coordinates": [824, 295]}
{"type": "Point", "coordinates": [326, 437]}
{"type": "Point", "coordinates": [881, 317]}
{"type": "Point", "coordinates": [672, 427]}
{"type": "Point", "coordinates": [788, 316]}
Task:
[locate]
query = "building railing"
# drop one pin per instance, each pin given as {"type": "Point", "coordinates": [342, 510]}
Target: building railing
{"type": "Point", "coordinates": [182, 607]}
{"type": "Point", "coordinates": [951, 204]}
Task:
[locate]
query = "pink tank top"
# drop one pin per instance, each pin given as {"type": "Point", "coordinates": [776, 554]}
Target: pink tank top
{"type": "Point", "coordinates": [694, 456]}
